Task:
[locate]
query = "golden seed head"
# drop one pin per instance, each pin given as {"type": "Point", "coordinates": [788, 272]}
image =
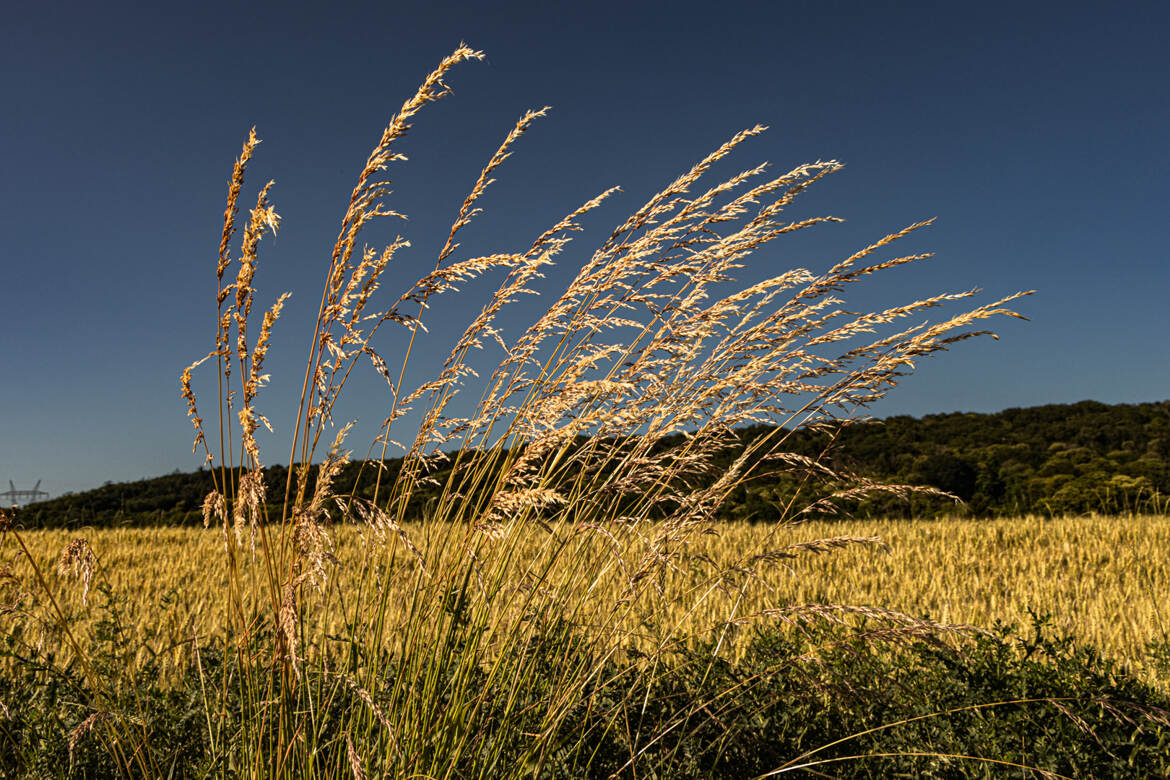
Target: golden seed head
{"type": "Point", "coordinates": [77, 558]}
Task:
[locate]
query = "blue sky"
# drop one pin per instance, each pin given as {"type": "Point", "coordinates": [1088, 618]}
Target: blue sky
{"type": "Point", "coordinates": [1035, 132]}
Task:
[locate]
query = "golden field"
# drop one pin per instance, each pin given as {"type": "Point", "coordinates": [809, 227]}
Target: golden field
{"type": "Point", "coordinates": [1103, 579]}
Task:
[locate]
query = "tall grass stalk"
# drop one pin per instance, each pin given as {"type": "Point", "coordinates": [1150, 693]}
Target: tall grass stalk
{"type": "Point", "coordinates": [609, 410]}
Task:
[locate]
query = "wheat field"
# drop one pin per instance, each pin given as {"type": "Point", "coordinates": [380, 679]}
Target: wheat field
{"type": "Point", "coordinates": [1100, 578]}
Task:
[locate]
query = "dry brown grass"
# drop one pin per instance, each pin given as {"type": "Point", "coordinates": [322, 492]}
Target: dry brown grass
{"type": "Point", "coordinates": [609, 408]}
{"type": "Point", "coordinates": [652, 337]}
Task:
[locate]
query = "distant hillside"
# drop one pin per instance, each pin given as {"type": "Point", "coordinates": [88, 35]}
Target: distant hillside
{"type": "Point", "coordinates": [1056, 459]}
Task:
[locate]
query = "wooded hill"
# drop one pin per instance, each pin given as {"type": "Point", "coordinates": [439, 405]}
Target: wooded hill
{"type": "Point", "coordinates": [1052, 460]}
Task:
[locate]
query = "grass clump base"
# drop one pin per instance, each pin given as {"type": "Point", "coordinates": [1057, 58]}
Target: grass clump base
{"type": "Point", "coordinates": [814, 702]}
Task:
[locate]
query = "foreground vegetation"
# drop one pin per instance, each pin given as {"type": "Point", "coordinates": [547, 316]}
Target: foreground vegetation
{"type": "Point", "coordinates": [870, 692]}
{"type": "Point", "coordinates": [821, 702]}
{"type": "Point", "coordinates": [564, 607]}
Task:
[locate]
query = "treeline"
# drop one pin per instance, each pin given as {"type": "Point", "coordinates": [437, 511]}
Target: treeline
{"type": "Point", "coordinates": [177, 499]}
{"type": "Point", "coordinates": [1051, 460]}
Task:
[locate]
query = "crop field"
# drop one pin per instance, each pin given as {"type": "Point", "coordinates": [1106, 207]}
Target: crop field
{"type": "Point", "coordinates": [1100, 579]}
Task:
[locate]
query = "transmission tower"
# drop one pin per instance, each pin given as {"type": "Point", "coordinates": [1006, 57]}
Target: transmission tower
{"type": "Point", "coordinates": [16, 497]}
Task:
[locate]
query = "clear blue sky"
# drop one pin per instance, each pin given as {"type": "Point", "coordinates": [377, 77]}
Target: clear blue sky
{"type": "Point", "coordinates": [1036, 133]}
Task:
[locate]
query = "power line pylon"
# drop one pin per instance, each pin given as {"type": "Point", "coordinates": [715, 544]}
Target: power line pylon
{"type": "Point", "coordinates": [16, 497]}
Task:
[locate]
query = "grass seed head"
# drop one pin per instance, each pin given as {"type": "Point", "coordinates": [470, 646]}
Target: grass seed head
{"type": "Point", "coordinates": [77, 558]}
{"type": "Point", "coordinates": [355, 763]}
{"type": "Point", "coordinates": [94, 720]}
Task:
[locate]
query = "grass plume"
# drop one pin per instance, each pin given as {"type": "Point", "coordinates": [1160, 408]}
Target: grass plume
{"type": "Point", "coordinates": [564, 557]}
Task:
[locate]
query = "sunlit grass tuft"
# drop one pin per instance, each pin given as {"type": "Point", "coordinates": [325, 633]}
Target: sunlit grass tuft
{"type": "Point", "coordinates": [570, 546]}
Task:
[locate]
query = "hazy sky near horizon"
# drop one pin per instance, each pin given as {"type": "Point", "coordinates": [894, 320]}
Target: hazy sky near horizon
{"type": "Point", "coordinates": [1035, 132]}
